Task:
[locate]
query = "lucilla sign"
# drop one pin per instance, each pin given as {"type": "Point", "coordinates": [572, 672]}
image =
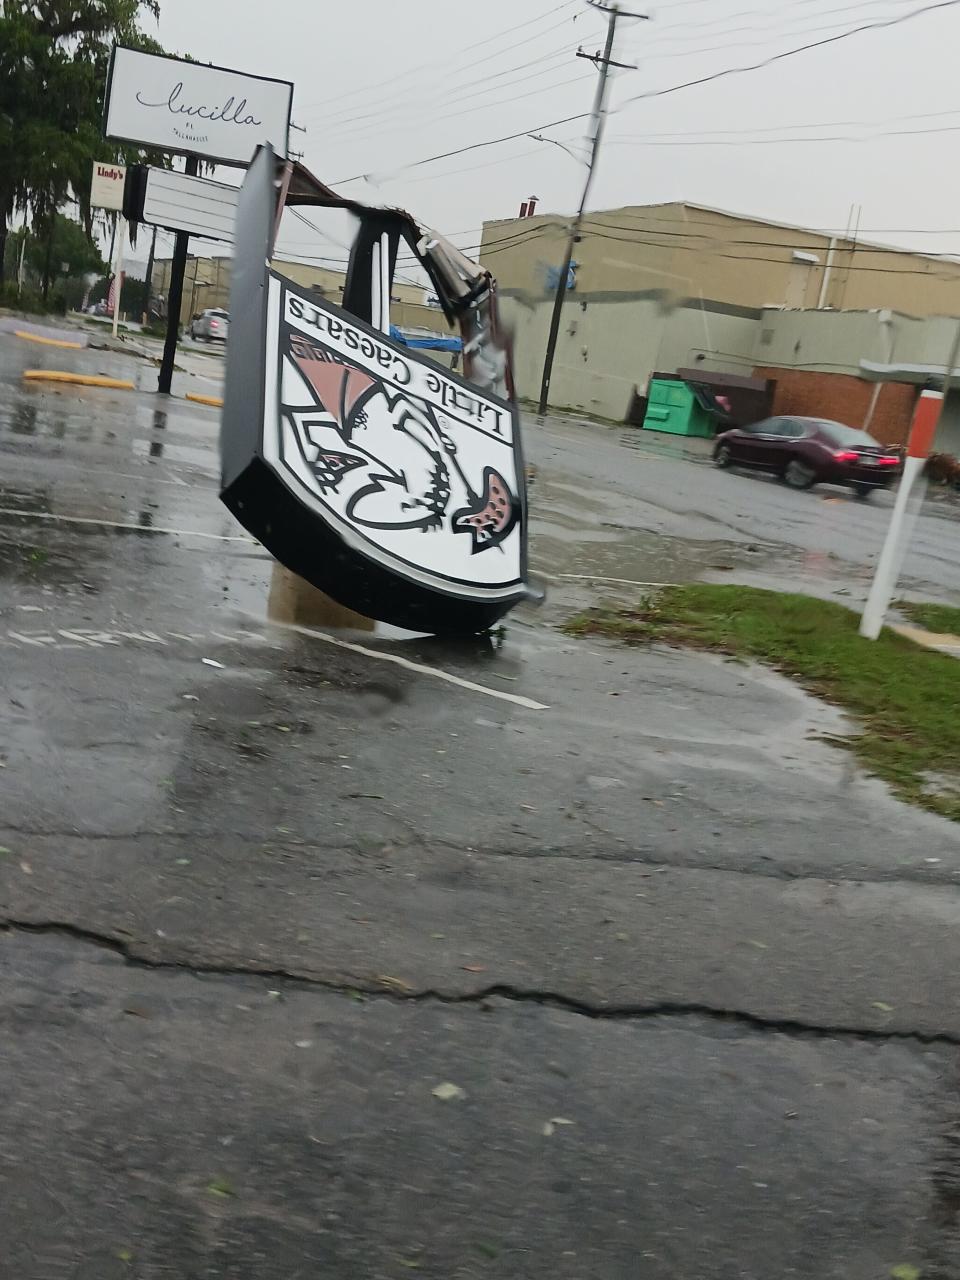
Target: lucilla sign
{"type": "Point", "coordinates": [194, 109]}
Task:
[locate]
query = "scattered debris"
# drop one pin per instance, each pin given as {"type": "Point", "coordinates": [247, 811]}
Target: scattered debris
{"type": "Point", "coordinates": [212, 662]}
{"type": "Point", "coordinates": [448, 1092]}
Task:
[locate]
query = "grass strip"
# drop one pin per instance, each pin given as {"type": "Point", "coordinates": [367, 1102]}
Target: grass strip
{"type": "Point", "coordinates": [942, 619]}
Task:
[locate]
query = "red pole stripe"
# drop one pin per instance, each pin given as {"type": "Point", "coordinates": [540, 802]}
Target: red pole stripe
{"type": "Point", "coordinates": [924, 425]}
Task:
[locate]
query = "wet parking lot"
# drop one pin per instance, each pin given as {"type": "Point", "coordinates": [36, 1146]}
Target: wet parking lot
{"type": "Point", "coordinates": [360, 953]}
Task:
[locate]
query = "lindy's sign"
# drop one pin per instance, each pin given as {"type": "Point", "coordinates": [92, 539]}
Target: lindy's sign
{"type": "Point", "coordinates": [107, 185]}
{"type": "Point", "coordinates": [209, 112]}
{"type": "Point", "coordinates": [398, 455]}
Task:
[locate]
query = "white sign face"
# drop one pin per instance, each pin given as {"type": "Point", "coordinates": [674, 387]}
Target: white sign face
{"type": "Point", "coordinates": [411, 465]}
{"type": "Point", "coordinates": [191, 108]}
{"type": "Point", "coordinates": [106, 186]}
{"type": "Point", "coordinates": [198, 206]}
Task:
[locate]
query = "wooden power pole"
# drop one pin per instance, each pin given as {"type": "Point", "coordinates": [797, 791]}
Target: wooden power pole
{"type": "Point", "coordinates": [604, 62]}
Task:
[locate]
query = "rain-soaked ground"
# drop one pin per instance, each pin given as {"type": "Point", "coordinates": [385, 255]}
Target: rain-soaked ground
{"type": "Point", "coordinates": [361, 954]}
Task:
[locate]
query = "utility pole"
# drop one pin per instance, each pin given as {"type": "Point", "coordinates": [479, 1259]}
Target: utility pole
{"type": "Point", "coordinates": [604, 62]}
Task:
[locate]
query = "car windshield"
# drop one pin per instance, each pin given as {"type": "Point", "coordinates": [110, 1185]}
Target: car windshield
{"type": "Point", "coordinates": [851, 437]}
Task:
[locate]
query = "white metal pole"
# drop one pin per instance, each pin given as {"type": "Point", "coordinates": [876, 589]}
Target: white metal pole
{"type": "Point", "coordinates": [118, 273]}
{"type": "Point", "coordinates": [385, 283]}
{"type": "Point", "coordinates": [23, 246]}
{"type": "Point", "coordinates": [887, 572]}
{"type": "Point", "coordinates": [891, 557]}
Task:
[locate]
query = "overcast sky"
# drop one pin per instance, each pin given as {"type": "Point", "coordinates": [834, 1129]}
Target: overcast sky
{"type": "Point", "coordinates": [382, 85]}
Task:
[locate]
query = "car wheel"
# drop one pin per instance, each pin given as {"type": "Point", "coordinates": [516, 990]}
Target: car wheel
{"type": "Point", "coordinates": [798, 475]}
{"type": "Point", "coordinates": [723, 457]}
{"type": "Point", "coordinates": [862, 490]}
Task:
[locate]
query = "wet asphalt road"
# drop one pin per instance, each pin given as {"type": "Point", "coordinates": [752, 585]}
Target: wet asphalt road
{"type": "Point", "coordinates": [257, 912]}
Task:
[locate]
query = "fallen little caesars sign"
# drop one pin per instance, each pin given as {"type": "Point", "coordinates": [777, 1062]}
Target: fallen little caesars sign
{"type": "Point", "coordinates": [404, 459]}
{"type": "Point", "coordinates": [107, 185]}
{"type": "Point", "coordinates": [198, 110]}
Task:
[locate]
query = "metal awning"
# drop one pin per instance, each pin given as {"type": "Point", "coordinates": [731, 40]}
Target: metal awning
{"type": "Point", "coordinates": [915, 374]}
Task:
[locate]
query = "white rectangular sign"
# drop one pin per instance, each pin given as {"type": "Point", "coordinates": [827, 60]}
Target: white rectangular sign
{"type": "Point", "coordinates": [194, 109]}
{"type": "Point", "coordinates": [106, 185]}
{"type": "Point", "coordinates": [198, 206]}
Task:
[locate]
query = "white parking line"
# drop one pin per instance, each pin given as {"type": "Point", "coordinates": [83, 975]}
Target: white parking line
{"type": "Point", "coordinates": [87, 638]}
{"type": "Point", "coordinates": [122, 524]}
{"type": "Point", "coordinates": [420, 668]}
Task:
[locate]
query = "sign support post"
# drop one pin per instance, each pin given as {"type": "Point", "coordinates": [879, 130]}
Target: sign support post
{"type": "Point", "coordinates": [118, 274]}
{"type": "Point", "coordinates": [175, 299]}
{"type": "Point", "coordinates": [922, 431]}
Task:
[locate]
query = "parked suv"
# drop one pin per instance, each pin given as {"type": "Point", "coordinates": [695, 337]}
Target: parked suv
{"type": "Point", "coordinates": [211, 324]}
{"type": "Point", "coordinates": [807, 451]}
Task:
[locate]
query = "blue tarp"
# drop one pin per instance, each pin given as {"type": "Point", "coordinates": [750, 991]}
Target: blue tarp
{"type": "Point", "coordinates": [425, 344]}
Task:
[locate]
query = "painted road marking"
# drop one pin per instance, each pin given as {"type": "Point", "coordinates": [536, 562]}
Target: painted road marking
{"type": "Point", "coordinates": [122, 524]}
{"type": "Point", "coordinates": [87, 637]}
{"type": "Point", "coordinates": [48, 342]}
{"type": "Point", "coordinates": [420, 668]}
{"type": "Point", "coordinates": [81, 379]}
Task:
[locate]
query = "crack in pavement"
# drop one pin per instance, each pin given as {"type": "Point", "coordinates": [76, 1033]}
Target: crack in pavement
{"type": "Point", "coordinates": [382, 990]}
{"type": "Point", "coordinates": [923, 876]}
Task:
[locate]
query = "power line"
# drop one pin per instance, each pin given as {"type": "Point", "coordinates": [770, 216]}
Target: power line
{"type": "Point", "coordinates": [424, 66]}
{"type": "Point", "coordinates": [770, 32]}
{"type": "Point", "coordinates": [879, 25]}
{"type": "Point", "coordinates": [659, 93]}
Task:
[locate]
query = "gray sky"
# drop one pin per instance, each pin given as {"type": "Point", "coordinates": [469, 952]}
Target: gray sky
{"type": "Point", "coordinates": [380, 85]}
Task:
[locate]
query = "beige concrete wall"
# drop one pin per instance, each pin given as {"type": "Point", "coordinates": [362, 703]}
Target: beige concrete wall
{"type": "Point", "coordinates": [836, 341]}
{"type": "Point", "coordinates": [735, 260]}
{"type": "Point", "coordinates": [607, 348]}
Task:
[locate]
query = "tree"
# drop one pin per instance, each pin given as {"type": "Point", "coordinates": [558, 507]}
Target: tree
{"type": "Point", "coordinates": [65, 250]}
{"type": "Point", "coordinates": [53, 70]}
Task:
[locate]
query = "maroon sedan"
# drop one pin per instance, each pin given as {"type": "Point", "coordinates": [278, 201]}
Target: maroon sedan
{"type": "Point", "coordinates": [806, 451]}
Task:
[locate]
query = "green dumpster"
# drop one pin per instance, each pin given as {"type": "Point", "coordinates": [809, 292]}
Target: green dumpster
{"type": "Point", "coordinates": [672, 406]}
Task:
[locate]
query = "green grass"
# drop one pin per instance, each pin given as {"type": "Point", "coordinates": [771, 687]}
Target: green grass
{"type": "Point", "coordinates": [906, 698]}
{"type": "Point", "coordinates": [941, 618]}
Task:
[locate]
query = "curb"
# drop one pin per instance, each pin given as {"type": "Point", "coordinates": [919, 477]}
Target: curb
{"type": "Point", "coordinates": [47, 342]}
{"type": "Point", "coordinates": [215, 401]}
{"type": "Point", "coordinates": [84, 379]}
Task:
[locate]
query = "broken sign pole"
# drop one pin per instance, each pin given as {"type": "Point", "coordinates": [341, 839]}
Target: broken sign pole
{"type": "Point", "coordinates": [175, 299]}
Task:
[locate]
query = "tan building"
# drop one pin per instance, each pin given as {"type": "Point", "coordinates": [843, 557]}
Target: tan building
{"type": "Point", "coordinates": [207, 284]}
{"type": "Point", "coordinates": [690, 250]}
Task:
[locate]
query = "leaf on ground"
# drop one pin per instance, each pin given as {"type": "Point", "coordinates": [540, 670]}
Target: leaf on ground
{"type": "Point", "coordinates": [474, 968]}
{"type": "Point", "coordinates": [26, 868]}
{"type": "Point", "coordinates": [448, 1092]}
{"type": "Point", "coordinates": [905, 1271]}
{"type": "Point", "coordinates": [124, 1255]}
{"type": "Point", "coordinates": [221, 1187]}
{"type": "Point", "coordinates": [4, 851]}
{"type": "Point", "coordinates": [755, 942]}
{"type": "Point", "coordinates": [393, 984]}
{"type": "Point", "coordinates": [882, 1006]}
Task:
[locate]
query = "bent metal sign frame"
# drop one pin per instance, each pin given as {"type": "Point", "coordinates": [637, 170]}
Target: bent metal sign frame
{"type": "Point", "coordinates": [392, 484]}
{"type": "Point", "coordinates": [195, 109]}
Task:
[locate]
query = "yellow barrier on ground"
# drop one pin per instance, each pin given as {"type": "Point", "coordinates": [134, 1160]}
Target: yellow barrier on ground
{"type": "Point", "coordinates": [47, 342]}
{"type": "Point", "coordinates": [84, 379]}
{"type": "Point", "coordinates": [216, 401]}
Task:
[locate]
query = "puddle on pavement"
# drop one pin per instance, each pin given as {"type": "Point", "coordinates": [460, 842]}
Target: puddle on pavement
{"type": "Point", "coordinates": [644, 557]}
